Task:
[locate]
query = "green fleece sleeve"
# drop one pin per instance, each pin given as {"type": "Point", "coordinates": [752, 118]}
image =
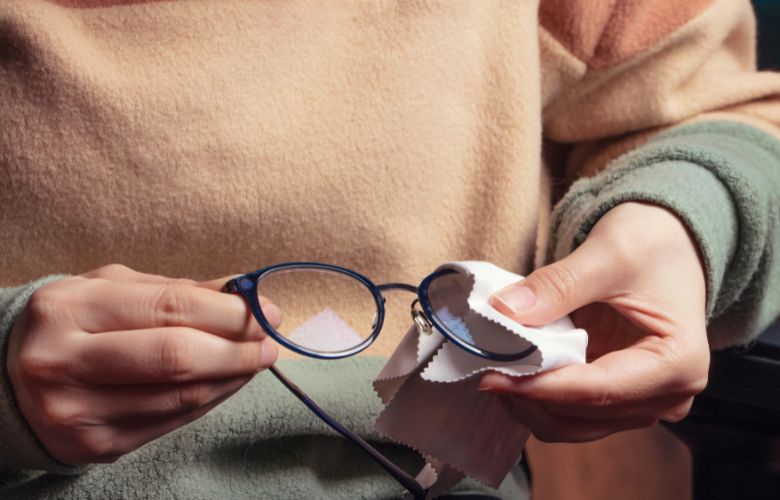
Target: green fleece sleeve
{"type": "Point", "coordinates": [723, 180]}
{"type": "Point", "coordinates": [260, 443]}
{"type": "Point", "coordinates": [264, 443]}
{"type": "Point", "coordinates": [19, 449]}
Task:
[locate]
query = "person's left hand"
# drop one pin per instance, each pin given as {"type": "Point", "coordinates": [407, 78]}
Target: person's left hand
{"type": "Point", "coordinates": [637, 286]}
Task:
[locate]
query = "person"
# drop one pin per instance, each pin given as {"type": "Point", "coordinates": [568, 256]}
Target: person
{"type": "Point", "coordinates": [151, 149]}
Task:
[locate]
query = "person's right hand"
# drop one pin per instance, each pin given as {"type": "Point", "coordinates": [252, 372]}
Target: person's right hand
{"type": "Point", "coordinates": [105, 362]}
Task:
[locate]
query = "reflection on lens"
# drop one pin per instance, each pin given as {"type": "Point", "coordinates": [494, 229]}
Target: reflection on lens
{"type": "Point", "coordinates": [448, 295]}
{"type": "Point", "coordinates": [322, 311]}
{"type": "Point", "coordinates": [454, 324]}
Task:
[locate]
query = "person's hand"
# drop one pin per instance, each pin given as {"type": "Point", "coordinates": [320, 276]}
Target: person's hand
{"type": "Point", "coordinates": [105, 362]}
{"type": "Point", "coordinates": [637, 286]}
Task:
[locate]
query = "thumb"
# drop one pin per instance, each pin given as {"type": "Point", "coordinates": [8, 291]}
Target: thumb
{"type": "Point", "coordinates": [556, 290]}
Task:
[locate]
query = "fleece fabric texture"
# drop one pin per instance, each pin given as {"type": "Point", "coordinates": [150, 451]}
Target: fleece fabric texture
{"type": "Point", "coordinates": [261, 443]}
{"type": "Point", "coordinates": [211, 137]}
{"type": "Point", "coordinates": [723, 180]}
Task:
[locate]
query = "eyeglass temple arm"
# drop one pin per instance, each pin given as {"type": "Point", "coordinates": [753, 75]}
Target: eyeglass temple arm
{"type": "Point", "coordinates": [400, 475]}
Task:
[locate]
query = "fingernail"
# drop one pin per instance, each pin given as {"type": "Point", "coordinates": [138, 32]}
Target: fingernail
{"type": "Point", "coordinates": [491, 389]}
{"type": "Point", "coordinates": [516, 298]}
{"type": "Point", "coordinates": [493, 382]}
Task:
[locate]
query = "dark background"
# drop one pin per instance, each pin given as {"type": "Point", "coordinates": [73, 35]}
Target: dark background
{"type": "Point", "coordinates": [768, 14]}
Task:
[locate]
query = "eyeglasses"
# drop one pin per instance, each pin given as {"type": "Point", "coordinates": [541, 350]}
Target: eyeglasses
{"type": "Point", "coordinates": [330, 312]}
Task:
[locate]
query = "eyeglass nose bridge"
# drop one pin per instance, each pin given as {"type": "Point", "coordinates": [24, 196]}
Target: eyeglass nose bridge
{"type": "Point", "coordinates": [420, 319]}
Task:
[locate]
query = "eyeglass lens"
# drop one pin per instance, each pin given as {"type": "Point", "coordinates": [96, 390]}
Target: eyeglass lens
{"type": "Point", "coordinates": [448, 294]}
{"type": "Point", "coordinates": [322, 311]}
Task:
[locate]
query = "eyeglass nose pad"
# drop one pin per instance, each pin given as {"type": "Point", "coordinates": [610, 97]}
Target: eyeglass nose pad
{"type": "Point", "coordinates": [423, 325]}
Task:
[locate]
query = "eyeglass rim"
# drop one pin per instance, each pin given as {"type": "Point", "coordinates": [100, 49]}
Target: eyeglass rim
{"type": "Point", "coordinates": [425, 303]}
{"type": "Point", "coordinates": [247, 285]}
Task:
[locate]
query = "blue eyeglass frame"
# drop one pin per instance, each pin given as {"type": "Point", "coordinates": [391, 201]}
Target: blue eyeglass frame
{"type": "Point", "coordinates": [246, 286]}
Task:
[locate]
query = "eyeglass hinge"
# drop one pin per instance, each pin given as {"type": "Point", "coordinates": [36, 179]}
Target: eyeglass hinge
{"type": "Point", "coordinates": [230, 286]}
{"type": "Point", "coordinates": [423, 325]}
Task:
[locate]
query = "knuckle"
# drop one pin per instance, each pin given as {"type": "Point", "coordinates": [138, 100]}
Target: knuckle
{"type": "Point", "coordinates": [112, 272]}
{"type": "Point", "coordinates": [598, 397]}
{"type": "Point", "coordinates": [174, 356]}
{"type": "Point", "coordinates": [697, 385]}
{"type": "Point", "coordinates": [191, 397]}
{"type": "Point", "coordinates": [96, 447]}
{"type": "Point", "coordinates": [57, 416]}
{"type": "Point", "coordinates": [623, 251]}
{"type": "Point", "coordinates": [250, 356]}
{"type": "Point", "coordinates": [595, 392]}
{"type": "Point", "coordinates": [700, 371]}
{"type": "Point", "coordinates": [51, 303]}
{"type": "Point", "coordinates": [557, 281]}
{"type": "Point", "coordinates": [678, 413]}
{"type": "Point", "coordinates": [45, 303]}
{"type": "Point", "coordinates": [170, 305]}
{"type": "Point", "coordinates": [182, 282]}
{"type": "Point", "coordinates": [34, 365]}
{"type": "Point", "coordinates": [84, 446]}
{"type": "Point", "coordinates": [690, 365]}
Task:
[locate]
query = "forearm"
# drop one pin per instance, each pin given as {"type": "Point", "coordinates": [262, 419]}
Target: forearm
{"type": "Point", "coordinates": [723, 180]}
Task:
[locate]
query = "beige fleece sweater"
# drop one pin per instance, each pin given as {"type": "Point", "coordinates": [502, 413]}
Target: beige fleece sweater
{"type": "Point", "coordinates": [202, 138]}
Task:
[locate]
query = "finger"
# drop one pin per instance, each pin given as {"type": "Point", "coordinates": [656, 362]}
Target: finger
{"type": "Point", "coordinates": [273, 315]}
{"type": "Point", "coordinates": [172, 354]}
{"type": "Point", "coordinates": [150, 402]}
{"type": "Point", "coordinates": [553, 291]}
{"type": "Point", "coordinates": [656, 407]}
{"type": "Point", "coordinates": [552, 428]}
{"type": "Point", "coordinates": [103, 306]}
{"type": "Point", "coordinates": [627, 376]}
{"type": "Point", "coordinates": [122, 273]}
{"type": "Point", "coordinates": [678, 412]}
